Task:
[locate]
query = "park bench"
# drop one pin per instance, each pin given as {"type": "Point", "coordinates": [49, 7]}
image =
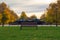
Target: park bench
{"type": "Point", "coordinates": [29, 24]}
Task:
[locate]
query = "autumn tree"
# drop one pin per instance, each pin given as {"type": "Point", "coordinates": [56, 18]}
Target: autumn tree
{"type": "Point", "coordinates": [3, 16]}
{"type": "Point", "coordinates": [42, 17]}
{"type": "Point", "coordinates": [11, 15]}
{"type": "Point", "coordinates": [53, 13]}
{"type": "Point", "coordinates": [4, 19]}
{"type": "Point", "coordinates": [23, 16]}
{"type": "Point", "coordinates": [33, 17]}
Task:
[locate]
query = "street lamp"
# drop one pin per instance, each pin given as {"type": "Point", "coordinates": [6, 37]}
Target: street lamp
{"type": "Point", "coordinates": [56, 15]}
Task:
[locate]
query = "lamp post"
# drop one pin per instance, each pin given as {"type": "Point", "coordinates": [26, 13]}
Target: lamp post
{"type": "Point", "coordinates": [56, 16]}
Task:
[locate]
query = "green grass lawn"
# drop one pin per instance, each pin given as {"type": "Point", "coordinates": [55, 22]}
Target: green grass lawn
{"type": "Point", "coordinates": [43, 33]}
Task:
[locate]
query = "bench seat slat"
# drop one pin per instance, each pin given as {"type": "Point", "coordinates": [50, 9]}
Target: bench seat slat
{"type": "Point", "coordinates": [29, 24]}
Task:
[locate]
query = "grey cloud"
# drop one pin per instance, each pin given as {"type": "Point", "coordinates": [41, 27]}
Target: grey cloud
{"type": "Point", "coordinates": [31, 8]}
{"type": "Point", "coordinates": [27, 8]}
{"type": "Point", "coordinates": [36, 8]}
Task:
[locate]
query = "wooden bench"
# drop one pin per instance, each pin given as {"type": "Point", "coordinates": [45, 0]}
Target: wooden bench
{"type": "Point", "coordinates": [29, 24]}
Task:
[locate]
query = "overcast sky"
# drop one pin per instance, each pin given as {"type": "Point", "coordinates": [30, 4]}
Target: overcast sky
{"type": "Point", "coordinates": [31, 7]}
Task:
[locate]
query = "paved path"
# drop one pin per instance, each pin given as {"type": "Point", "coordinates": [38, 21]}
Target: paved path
{"type": "Point", "coordinates": [37, 25]}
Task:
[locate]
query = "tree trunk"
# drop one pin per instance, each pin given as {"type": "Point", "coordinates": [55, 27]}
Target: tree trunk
{"type": "Point", "coordinates": [2, 24]}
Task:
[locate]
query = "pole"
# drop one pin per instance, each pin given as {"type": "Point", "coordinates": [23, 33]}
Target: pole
{"type": "Point", "coordinates": [56, 16]}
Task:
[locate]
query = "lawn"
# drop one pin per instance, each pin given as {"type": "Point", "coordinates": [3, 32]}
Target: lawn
{"type": "Point", "coordinates": [43, 33]}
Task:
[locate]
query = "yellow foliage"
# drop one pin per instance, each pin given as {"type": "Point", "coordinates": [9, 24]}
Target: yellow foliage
{"type": "Point", "coordinates": [23, 16]}
{"type": "Point", "coordinates": [9, 13]}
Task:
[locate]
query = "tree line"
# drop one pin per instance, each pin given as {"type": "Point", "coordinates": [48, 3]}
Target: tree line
{"type": "Point", "coordinates": [8, 16]}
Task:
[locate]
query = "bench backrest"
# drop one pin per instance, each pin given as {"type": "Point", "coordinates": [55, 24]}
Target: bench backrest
{"type": "Point", "coordinates": [28, 23]}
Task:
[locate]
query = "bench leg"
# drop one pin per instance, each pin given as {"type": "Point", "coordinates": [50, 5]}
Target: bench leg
{"type": "Point", "coordinates": [36, 27]}
{"type": "Point", "coordinates": [20, 27]}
